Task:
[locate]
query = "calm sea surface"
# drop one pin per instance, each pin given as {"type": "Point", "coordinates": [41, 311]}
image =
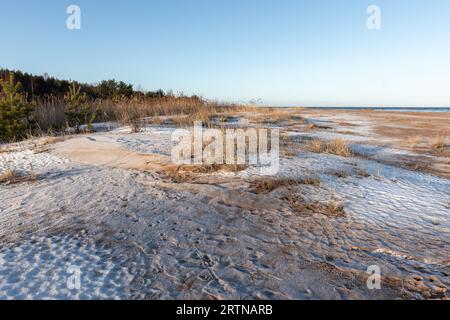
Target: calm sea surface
{"type": "Point", "coordinates": [389, 109]}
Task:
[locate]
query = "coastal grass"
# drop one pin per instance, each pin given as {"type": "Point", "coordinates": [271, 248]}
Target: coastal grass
{"type": "Point", "coordinates": [267, 185]}
{"type": "Point", "coordinates": [440, 142]}
{"type": "Point", "coordinates": [14, 177]}
{"type": "Point", "coordinates": [337, 147]}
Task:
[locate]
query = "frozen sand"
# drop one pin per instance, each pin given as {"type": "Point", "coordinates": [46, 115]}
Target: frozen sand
{"type": "Point", "coordinates": [135, 234]}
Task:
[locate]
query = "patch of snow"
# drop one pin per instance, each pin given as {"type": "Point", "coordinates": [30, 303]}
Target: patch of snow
{"type": "Point", "coordinates": [42, 268]}
{"type": "Point", "coordinates": [27, 161]}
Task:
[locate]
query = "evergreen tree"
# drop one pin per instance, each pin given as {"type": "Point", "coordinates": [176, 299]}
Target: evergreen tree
{"type": "Point", "coordinates": [78, 110]}
{"type": "Point", "coordinates": [15, 111]}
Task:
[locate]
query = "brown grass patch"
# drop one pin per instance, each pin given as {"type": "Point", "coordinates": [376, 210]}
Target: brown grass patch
{"type": "Point", "coordinates": [44, 145]}
{"type": "Point", "coordinates": [210, 168]}
{"type": "Point", "coordinates": [270, 184]}
{"type": "Point", "coordinates": [346, 132]}
{"type": "Point", "coordinates": [5, 150]}
{"type": "Point", "coordinates": [339, 173]}
{"type": "Point", "coordinates": [14, 177]}
{"type": "Point", "coordinates": [53, 140]}
{"type": "Point", "coordinates": [440, 142]}
{"type": "Point", "coordinates": [337, 147]}
{"type": "Point", "coordinates": [362, 172]}
{"type": "Point", "coordinates": [315, 126]}
{"type": "Point", "coordinates": [188, 173]}
{"type": "Point", "coordinates": [347, 124]}
{"type": "Point", "coordinates": [278, 116]}
{"type": "Point", "coordinates": [331, 208]}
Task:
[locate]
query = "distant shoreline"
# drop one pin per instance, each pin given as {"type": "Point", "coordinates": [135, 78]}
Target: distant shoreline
{"type": "Point", "coordinates": [424, 109]}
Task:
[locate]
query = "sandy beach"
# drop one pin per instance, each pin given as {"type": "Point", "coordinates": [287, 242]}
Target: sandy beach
{"type": "Point", "coordinates": [113, 205]}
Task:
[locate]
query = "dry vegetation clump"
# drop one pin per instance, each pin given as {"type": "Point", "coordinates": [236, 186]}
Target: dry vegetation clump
{"type": "Point", "coordinates": [277, 116]}
{"type": "Point", "coordinates": [414, 141]}
{"type": "Point", "coordinates": [346, 132]}
{"type": "Point", "coordinates": [182, 111]}
{"type": "Point", "coordinates": [12, 177]}
{"type": "Point", "coordinates": [316, 146]}
{"type": "Point", "coordinates": [5, 150]}
{"type": "Point", "coordinates": [362, 172]}
{"type": "Point", "coordinates": [49, 114]}
{"type": "Point", "coordinates": [267, 185]}
{"type": "Point", "coordinates": [188, 173]}
{"type": "Point", "coordinates": [337, 147]}
{"type": "Point", "coordinates": [315, 126]}
{"type": "Point", "coordinates": [347, 124]}
{"type": "Point", "coordinates": [440, 142]}
{"type": "Point", "coordinates": [339, 173]}
{"type": "Point", "coordinates": [331, 208]}
{"type": "Point", "coordinates": [43, 145]}
{"type": "Point", "coordinates": [129, 114]}
{"type": "Point", "coordinates": [53, 139]}
{"type": "Point", "coordinates": [211, 168]}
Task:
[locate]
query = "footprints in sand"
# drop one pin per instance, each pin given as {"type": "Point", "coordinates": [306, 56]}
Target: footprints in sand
{"type": "Point", "coordinates": [40, 268]}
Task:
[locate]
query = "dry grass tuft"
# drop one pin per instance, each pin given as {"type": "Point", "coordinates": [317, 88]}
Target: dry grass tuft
{"type": "Point", "coordinates": [53, 140]}
{"type": "Point", "coordinates": [346, 132]}
{"type": "Point", "coordinates": [331, 209]}
{"type": "Point", "coordinates": [334, 208]}
{"type": "Point", "coordinates": [362, 172]}
{"type": "Point", "coordinates": [6, 150]}
{"type": "Point", "coordinates": [270, 184]}
{"type": "Point", "coordinates": [211, 168]}
{"type": "Point", "coordinates": [13, 177]}
{"type": "Point", "coordinates": [337, 147]}
{"type": "Point", "coordinates": [440, 142]}
{"type": "Point", "coordinates": [413, 142]}
{"type": "Point", "coordinates": [188, 173]}
{"type": "Point", "coordinates": [316, 146]}
{"type": "Point", "coordinates": [42, 146]}
{"type": "Point", "coordinates": [339, 173]}
{"type": "Point", "coordinates": [277, 116]}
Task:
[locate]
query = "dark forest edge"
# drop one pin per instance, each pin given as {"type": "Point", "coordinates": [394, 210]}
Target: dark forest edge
{"type": "Point", "coordinates": [45, 85]}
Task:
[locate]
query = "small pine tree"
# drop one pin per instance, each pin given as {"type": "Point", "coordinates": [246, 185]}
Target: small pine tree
{"type": "Point", "coordinates": [78, 111]}
{"type": "Point", "coordinates": [15, 110]}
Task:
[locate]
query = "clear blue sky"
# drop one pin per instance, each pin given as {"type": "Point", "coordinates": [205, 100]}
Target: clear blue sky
{"type": "Point", "coordinates": [312, 52]}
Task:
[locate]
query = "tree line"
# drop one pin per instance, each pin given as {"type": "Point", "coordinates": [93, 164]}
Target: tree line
{"type": "Point", "coordinates": [44, 85]}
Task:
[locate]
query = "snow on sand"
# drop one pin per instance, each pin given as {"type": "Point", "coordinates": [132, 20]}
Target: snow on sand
{"type": "Point", "coordinates": [102, 206]}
